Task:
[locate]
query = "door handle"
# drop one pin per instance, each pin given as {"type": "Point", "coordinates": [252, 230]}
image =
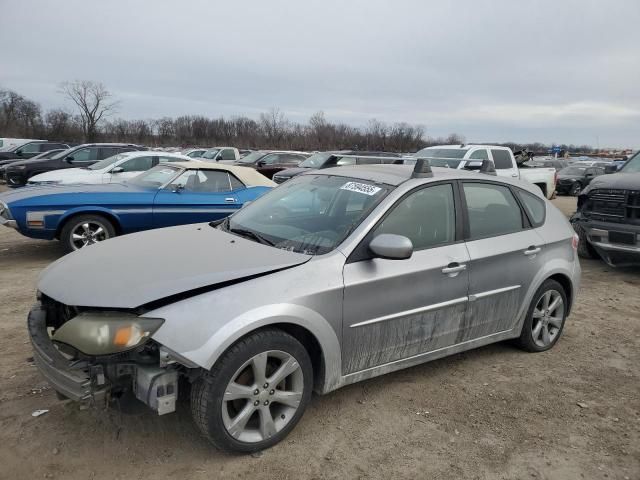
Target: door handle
{"type": "Point", "coordinates": [514, 175]}
{"type": "Point", "coordinates": [453, 268]}
{"type": "Point", "coordinates": [532, 250]}
{"type": "Point", "coordinates": [229, 200]}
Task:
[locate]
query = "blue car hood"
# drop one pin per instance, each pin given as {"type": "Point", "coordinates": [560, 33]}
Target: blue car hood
{"type": "Point", "coordinates": [29, 192]}
{"type": "Point", "coordinates": [134, 270]}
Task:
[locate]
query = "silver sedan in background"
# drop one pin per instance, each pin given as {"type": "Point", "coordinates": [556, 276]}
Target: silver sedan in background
{"type": "Point", "coordinates": [336, 276]}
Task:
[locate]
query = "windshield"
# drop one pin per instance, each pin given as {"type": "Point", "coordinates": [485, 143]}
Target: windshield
{"type": "Point", "coordinates": [107, 162]}
{"type": "Point", "coordinates": [253, 157]}
{"type": "Point", "coordinates": [572, 171]}
{"type": "Point", "coordinates": [310, 214]}
{"type": "Point", "coordinates": [316, 160]}
{"type": "Point", "coordinates": [210, 154]}
{"type": "Point", "coordinates": [441, 153]}
{"type": "Point", "coordinates": [633, 165]}
{"type": "Point", "coordinates": [155, 177]}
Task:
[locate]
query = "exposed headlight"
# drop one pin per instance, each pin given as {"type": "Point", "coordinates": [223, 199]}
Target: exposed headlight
{"type": "Point", "coordinates": [98, 333]}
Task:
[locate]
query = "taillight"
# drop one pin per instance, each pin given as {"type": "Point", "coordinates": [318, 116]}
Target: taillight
{"type": "Point", "coordinates": [574, 241]}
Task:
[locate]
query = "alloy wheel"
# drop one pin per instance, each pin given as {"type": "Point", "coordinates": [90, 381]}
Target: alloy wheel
{"type": "Point", "coordinates": [262, 396]}
{"type": "Point", "coordinates": [548, 316]}
{"type": "Point", "coordinates": [88, 233]}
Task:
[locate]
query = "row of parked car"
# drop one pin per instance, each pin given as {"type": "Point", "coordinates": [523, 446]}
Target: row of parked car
{"type": "Point", "coordinates": [470, 254]}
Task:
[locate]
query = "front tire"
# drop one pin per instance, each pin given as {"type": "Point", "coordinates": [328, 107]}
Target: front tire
{"type": "Point", "coordinates": [83, 230]}
{"type": "Point", "coordinates": [545, 318]}
{"type": "Point", "coordinates": [585, 250]}
{"type": "Point", "coordinates": [255, 394]}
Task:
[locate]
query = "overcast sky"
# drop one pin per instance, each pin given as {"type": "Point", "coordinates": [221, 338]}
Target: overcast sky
{"type": "Point", "coordinates": [564, 71]}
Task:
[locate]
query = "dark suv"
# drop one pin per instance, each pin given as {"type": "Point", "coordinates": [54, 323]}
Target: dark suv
{"type": "Point", "coordinates": [337, 159]}
{"type": "Point", "coordinates": [608, 216]}
{"type": "Point", "coordinates": [29, 149]}
{"type": "Point", "coordinates": [18, 173]}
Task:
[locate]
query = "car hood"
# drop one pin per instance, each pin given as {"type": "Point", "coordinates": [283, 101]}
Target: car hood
{"type": "Point", "coordinates": [33, 191]}
{"type": "Point", "coordinates": [134, 270]}
{"type": "Point", "coordinates": [64, 174]}
{"type": "Point", "coordinates": [618, 181]}
{"type": "Point", "coordinates": [292, 172]}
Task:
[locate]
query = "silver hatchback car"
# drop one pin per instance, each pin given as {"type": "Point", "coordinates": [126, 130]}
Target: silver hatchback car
{"type": "Point", "coordinates": [334, 277]}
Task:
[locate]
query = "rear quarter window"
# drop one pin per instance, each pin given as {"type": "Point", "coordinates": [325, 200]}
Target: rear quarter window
{"type": "Point", "coordinates": [534, 206]}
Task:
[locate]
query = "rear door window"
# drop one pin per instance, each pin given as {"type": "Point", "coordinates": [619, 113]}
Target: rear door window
{"type": "Point", "coordinates": [492, 210]}
{"type": "Point", "coordinates": [502, 159]}
{"type": "Point", "coordinates": [479, 155]}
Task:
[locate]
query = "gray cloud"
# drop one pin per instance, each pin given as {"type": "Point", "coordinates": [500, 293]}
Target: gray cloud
{"type": "Point", "coordinates": [492, 70]}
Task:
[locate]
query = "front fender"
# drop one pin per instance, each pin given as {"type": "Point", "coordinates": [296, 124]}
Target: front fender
{"type": "Point", "coordinates": [251, 320]}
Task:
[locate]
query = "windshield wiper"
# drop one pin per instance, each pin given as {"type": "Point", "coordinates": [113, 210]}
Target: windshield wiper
{"type": "Point", "coordinates": [251, 234]}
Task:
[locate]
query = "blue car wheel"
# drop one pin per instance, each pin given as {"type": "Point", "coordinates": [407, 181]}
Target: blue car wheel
{"type": "Point", "coordinates": [84, 230]}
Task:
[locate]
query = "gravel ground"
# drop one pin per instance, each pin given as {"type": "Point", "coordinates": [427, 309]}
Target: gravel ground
{"type": "Point", "coordinates": [494, 413]}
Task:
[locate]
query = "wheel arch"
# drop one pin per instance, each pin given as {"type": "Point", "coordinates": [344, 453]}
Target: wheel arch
{"type": "Point", "coordinates": [567, 285]}
{"type": "Point", "coordinates": [69, 215]}
{"type": "Point", "coordinates": [305, 324]}
{"type": "Point", "coordinates": [542, 186]}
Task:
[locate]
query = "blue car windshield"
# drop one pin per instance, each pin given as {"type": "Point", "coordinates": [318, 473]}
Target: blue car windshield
{"type": "Point", "coordinates": [155, 177]}
{"type": "Point", "coordinates": [310, 214]}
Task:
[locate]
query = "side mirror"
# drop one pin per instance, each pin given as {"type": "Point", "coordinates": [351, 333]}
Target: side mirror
{"type": "Point", "coordinates": [19, 153]}
{"type": "Point", "coordinates": [177, 188]}
{"type": "Point", "coordinates": [69, 159]}
{"type": "Point", "coordinates": [610, 169]}
{"type": "Point", "coordinates": [261, 163]}
{"type": "Point", "coordinates": [117, 170]}
{"type": "Point", "coordinates": [391, 247]}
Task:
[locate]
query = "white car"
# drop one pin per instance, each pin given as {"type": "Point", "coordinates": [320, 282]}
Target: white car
{"type": "Point", "coordinates": [470, 157]}
{"type": "Point", "coordinates": [115, 169]}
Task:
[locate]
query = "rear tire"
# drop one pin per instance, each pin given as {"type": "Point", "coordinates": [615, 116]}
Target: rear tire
{"type": "Point", "coordinates": [234, 406]}
{"type": "Point", "coordinates": [83, 230]}
{"type": "Point", "coordinates": [545, 318]}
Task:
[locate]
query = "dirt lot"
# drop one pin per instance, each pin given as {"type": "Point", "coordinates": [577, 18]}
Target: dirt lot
{"type": "Point", "coordinates": [573, 412]}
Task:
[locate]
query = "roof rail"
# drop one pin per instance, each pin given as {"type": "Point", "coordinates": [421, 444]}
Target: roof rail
{"type": "Point", "coordinates": [488, 168]}
{"type": "Point", "coordinates": [422, 169]}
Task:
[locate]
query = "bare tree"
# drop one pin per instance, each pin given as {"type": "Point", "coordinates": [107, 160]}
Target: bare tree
{"type": "Point", "coordinates": [93, 101]}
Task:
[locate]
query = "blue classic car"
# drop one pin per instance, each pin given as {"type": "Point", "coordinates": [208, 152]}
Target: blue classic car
{"type": "Point", "coordinates": [166, 195]}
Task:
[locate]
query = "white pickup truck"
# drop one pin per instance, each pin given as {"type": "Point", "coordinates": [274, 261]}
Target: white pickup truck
{"type": "Point", "coordinates": [471, 157]}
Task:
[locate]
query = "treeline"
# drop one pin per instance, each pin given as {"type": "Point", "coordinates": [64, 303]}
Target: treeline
{"type": "Point", "coordinates": [23, 118]}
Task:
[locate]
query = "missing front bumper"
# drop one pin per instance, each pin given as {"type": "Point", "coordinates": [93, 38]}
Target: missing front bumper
{"type": "Point", "coordinates": [81, 381]}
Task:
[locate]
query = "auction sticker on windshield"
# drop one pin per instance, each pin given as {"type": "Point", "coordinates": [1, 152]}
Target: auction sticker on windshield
{"type": "Point", "coordinates": [360, 188]}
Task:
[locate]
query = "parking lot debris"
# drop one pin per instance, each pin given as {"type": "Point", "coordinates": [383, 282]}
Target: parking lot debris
{"type": "Point", "coordinates": [582, 405]}
{"type": "Point", "coordinates": [38, 413]}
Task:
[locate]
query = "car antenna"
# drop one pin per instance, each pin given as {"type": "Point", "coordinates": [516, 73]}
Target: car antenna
{"type": "Point", "coordinates": [488, 168]}
{"type": "Point", "coordinates": [422, 169]}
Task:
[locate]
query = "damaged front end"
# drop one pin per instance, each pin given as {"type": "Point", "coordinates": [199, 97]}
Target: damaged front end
{"type": "Point", "coordinates": [608, 220]}
{"type": "Point", "coordinates": [96, 357]}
